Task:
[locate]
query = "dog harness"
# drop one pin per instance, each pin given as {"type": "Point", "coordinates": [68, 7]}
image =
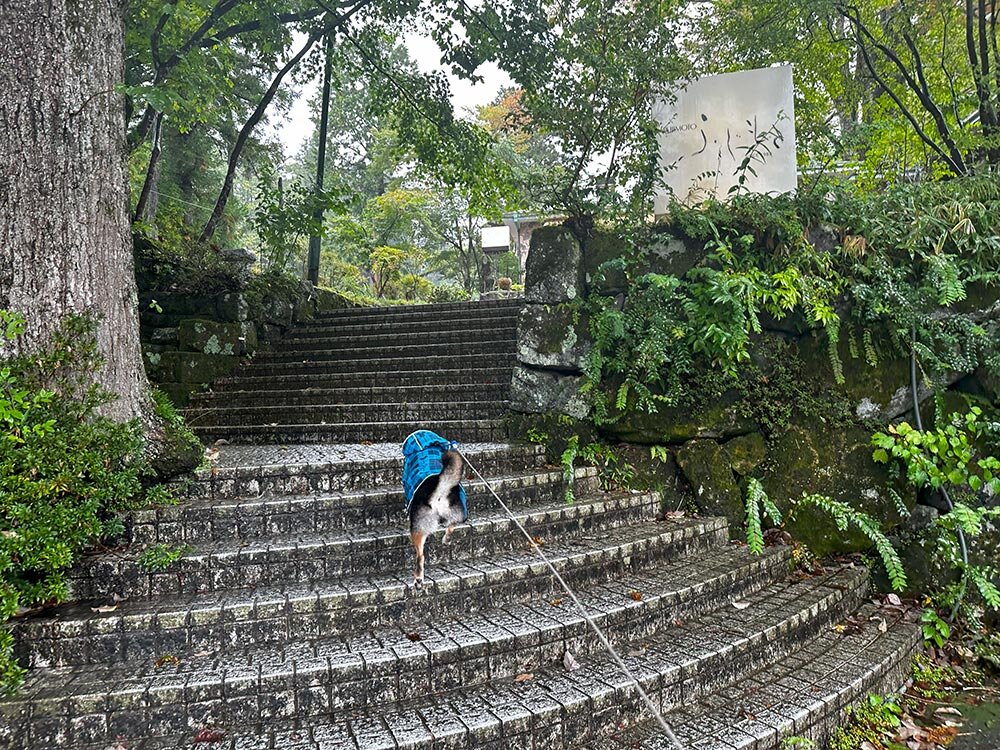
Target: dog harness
{"type": "Point", "coordinates": [422, 453]}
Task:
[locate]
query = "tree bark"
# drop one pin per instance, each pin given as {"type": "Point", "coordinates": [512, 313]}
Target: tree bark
{"type": "Point", "coordinates": [65, 238]}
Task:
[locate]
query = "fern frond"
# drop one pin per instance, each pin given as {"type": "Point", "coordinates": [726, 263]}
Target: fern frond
{"type": "Point", "coordinates": [844, 515]}
{"type": "Point", "coordinates": [755, 497]}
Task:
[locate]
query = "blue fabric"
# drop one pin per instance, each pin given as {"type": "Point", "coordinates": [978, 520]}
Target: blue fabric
{"type": "Point", "coordinates": [422, 452]}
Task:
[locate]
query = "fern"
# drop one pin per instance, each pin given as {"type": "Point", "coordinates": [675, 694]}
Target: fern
{"type": "Point", "coordinates": [757, 504]}
{"type": "Point", "coordinates": [845, 516]}
{"type": "Point", "coordinates": [568, 457]}
{"type": "Point", "coordinates": [982, 576]}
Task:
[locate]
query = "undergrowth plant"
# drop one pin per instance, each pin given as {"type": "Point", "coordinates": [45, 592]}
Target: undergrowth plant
{"type": "Point", "coordinates": [844, 516]}
{"type": "Point", "coordinates": [950, 457]}
{"type": "Point", "coordinates": [65, 471]}
{"type": "Point", "coordinates": [872, 722]}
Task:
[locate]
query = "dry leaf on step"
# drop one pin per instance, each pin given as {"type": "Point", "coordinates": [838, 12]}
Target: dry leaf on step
{"type": "Point", "coordinates": [894, 600]}
{"type": "Point", "coordinates": [636, 596]}
{"type": "Point", "coordinates": [570, 662]}
{"type": "Point", "coordinates": [524, 677]}
{"type": "Point", "coordinates": [740, 605]}
{"type": "Point", "coordinates": [883, 627]}
{"type": "Point", "coordinates": [104, 608]}
{"type": "Point", "coordinates": [414, 637]}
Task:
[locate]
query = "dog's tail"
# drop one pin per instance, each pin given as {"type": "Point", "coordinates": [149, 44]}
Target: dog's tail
{"type": "Point", "coordinates": [452, 467]}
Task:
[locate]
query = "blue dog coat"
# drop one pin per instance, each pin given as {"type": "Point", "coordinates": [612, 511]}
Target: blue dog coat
{"type": "Point", "coordinates": [422, 452]}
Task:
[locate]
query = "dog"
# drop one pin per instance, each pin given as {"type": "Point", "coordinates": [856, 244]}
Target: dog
{"type": "Point", "coordinates": [432, 484]}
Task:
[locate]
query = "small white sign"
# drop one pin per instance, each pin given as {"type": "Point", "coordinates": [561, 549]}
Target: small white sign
{"type": "Point", "coordinates": [496, 239]}
{"type": "Point", "coordinates": [719, 123]}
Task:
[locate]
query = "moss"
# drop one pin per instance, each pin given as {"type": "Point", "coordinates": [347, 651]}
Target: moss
{"type": "Point", "coordinates": [706, 466]}
{"type": "Point", "coordinates": [746, 453]}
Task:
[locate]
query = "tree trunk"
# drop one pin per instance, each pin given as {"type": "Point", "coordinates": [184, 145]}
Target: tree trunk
{"type": "Point", "coordinates": [65, 239]}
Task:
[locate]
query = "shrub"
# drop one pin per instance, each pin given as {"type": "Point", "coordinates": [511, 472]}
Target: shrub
{"type": "Point", "coordinates": [65, 472]}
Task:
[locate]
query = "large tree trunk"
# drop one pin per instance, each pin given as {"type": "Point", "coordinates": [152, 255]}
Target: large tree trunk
{"type": "Point", "coordinates": [65, 240]}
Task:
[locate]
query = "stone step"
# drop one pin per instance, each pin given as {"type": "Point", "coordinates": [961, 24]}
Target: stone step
{"type": "Point", "coordinates": [333, 413]}
{"type": "Point", "coordinates": [409, 312]}
{"type": "Point", "coordinates": [360, 395]}
{"type": "Point", "coordinates": [806, 694]}
{"type": "Point", "coordinates": [404, 324]}
{"type": "Point", "coordinates": [442, 377]}
{"type": "Point", "coordinates": [350, 687]}
{"type": "Point", "coordinates": [249, 471]}
{"type": "Point", "coordinates": [377, 364]}
{"type": "Point", "coordinates": [397, 350]}
{"type": "Point", "coordinates": [392, 335]}
{"type": "Point", "coordinates": [258, 517]}
{"type": "Point", "coordinates": [289, 558]}
{"type": "Point", "coordinates": [194, 623]}
{"type": "Point", "coordinates": [467, 430]}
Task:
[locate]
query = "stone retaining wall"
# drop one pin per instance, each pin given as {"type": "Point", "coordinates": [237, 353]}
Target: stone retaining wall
{"type": "Point", "coordinates": [190, 340]}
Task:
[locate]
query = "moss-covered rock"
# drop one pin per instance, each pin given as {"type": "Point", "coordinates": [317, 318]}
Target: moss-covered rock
{"type": "Point", "coordinates": [210, 337]}
{"type": "Point", "coordinates": [719, 419]}
{"type": "Point", "coordinates": [746, 453]}
{"type": "Point", "coordinates": [671, 256]}
{"type": "Point", "coordinates": [194, 367]}
{"type": "Point", "coordinates": [706, 466]}
{"type": "Point", "coordinates": [601, 248]}
{"type": "Point", "coordinates": [177, 449]}
{"type": "Point", "coordinates": [659, 472]}
{"type": "Point", "coordinates": [554, 336]}
{"type": "Point", "coordinates": [836, 462]}
{"type": "Point", "coordinates": [554, 269]}
{"type": "Point", "coordinates": [539, 391]}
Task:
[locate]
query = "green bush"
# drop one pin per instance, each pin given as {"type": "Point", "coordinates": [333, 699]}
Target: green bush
{"type": "Point", "coordinates": [65, 472]}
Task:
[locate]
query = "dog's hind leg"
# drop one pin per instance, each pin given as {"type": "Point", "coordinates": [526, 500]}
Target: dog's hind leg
{"type": "Point", "coordinates": [418, 538]}
{"type": "Point", "coordinates": [447, 535]}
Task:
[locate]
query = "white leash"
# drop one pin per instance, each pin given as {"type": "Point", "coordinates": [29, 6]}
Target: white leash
{"type": "Point", "coordinates": [593, 625]}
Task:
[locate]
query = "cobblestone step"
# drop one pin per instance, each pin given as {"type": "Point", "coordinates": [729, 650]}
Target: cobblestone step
{"type": "Point", "coordinates": [192, 623]}
{"type": "Point", "coordinates": [377, 364]}
{"type": "Point", "coordinates": [359, 395]}
{"type": "Point", "coordinates": [392, 336]}
{"type": "Point", "coordinates": [403, 324]}
{"type": "Point", "coordinates": [249, 471]}
{"type": "Point", "coordinates": [442, 377]}
{"type": "Point", "coordinates": [234, 563]}
{"type": "Point", "coordinates": [333, 413]}
{"type": "Point", "coordinates": [466, 430]}
{"type": "Point", "coordinates": [259, 517]}
{"type": "Point", "coordinates": [413, 312]}
{"type": "Point", "coordinates": [805, 694]}
{"type": "Point", "coordinates": [486, 345]}
{"type": "Point", "coordinates": [352, 689]}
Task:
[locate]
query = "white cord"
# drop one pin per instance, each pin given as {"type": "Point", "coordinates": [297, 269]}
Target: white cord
{"type": "Point", "coordinates": [593, 625]}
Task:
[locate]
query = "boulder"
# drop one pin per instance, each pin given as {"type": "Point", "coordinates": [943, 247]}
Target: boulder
{"type": "Point", "coordinates": [706, 465]}
{"type": "Point", "coordinates": [538, 391]}
{"type": "Point", "coordinates": [231, 308]}
{"type": "Point", "coordinates": [239, 263]}
{"type": "Point", "coordinates": [554, 336]}
{"type": "Point", "coordinates": [193, 367]}
{"type": "Point", "coordinates": [833, 461]}
{"type": "Point", "coordinates": [746, 453]}
{"type": "Point", "coordinates": [210, 337]}
{"type": "Point", "coordinates": [599, 249]}
{"type": "Point", "coordinates": [720, 419]}
{"type": "Point", "coordinates": [553, 270]}
{"type": "Point", "coordinates": [671, 256]}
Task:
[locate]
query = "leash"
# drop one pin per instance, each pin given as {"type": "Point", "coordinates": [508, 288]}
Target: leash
{"type": "Point", "coordinates": [619, 662]}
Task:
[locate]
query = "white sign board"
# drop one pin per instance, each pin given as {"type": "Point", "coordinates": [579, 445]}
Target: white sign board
{"type": "Point", "coordinates": [496, 239]}
{"type": "Point", "coordinates": [716, 123]}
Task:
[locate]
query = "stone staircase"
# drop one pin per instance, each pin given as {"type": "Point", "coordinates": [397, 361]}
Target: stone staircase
{"type": "Point", "coordinates": [289, 622]}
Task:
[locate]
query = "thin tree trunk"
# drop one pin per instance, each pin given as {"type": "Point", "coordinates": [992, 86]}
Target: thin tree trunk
{"type": "Point", "coordinates": [244, 137]}
{"type": "Point", "coordinates": [145, 207]}
{"type": "Point", "coordinates": [65, 240]}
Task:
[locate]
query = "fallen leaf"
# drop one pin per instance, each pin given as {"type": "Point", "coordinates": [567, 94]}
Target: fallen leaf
{"type": "Point", "coordinates": [524, 677]}
{"type": "Point", "coordinates": [204, 653]}
{"type": "Point", "coordinates": [555, 602]}
{"type": "Point", "coordinates": [570, 662]}
{"type": "Point", "coordinates": [104, 608]}
{"type": "Point", "coordinates": [740, 605]}
{"type": "Point", "coordinates": [221, 441]}
{"type": "Point", "coordinates": [883, 627]}
{"type": "Point", "coordinates": [894, 600]}
{"type": "Point", "coordinates": [948, 710]}
{"type": "Point", "coordinates": [538, 541]}
{"type": "Point", "coordinates": [840, 628]}
{"type": "Point", "coordinates": [209, 735]}
{"type": "Point", "coordinates": [414, 637]}
{"type": "Point", "coordinates": [162, 661]}
{"type": "Point", "coordinates": [635, 596]}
